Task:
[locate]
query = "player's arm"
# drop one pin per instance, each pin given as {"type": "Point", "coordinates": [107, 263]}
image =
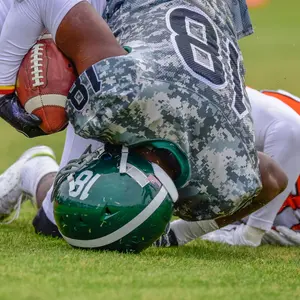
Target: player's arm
{"type": "Point", "coordinates": [79, 31]}
{"type": "Point", "coordinates": [10, 109]}
{"type": "Point", "coordinates": [21, 29]}
{"type": "Point", "coordinates": [274, 181]}
{"type": "Point", "coordinates": [182, 232]}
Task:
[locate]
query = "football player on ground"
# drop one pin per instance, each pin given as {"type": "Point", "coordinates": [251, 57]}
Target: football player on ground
{"type": "Point", "coordinates": [286, 227]}
{"type": "Point", "coordinates": [178, 94]}
{"type": "Point", "coordinates": [277, 128]}
{"type": "Point", "coordinates": [27, 177]}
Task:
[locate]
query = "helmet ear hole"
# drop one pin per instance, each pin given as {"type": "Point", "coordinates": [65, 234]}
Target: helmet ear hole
{"type": "Point", "coordinates": [107, 211]}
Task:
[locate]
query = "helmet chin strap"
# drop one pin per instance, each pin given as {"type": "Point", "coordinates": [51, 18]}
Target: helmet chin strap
{"type": "Point", "coordinates": [123, 162]}
{"type": "Point", "coordinates": [142, 179]}
{"type": "Point", "coordinates": [132, 171]}
{"type": "Point", "coordinates": [166, 181]}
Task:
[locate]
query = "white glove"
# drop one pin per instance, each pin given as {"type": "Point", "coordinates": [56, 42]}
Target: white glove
{"type": "Point", "coordinates": [282, 236]}
{"type": "Point", "coordinates": [236, 235]}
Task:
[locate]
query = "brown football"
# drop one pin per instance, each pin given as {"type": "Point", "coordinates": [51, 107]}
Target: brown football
{"type": "Point", "coordinates": [43, 83]}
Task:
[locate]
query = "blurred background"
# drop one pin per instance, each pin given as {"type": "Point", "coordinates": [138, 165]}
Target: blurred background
{"type": "Point", "coordinates": [271, 58]}
{"type": "Point", "coordinates": [271, 54]}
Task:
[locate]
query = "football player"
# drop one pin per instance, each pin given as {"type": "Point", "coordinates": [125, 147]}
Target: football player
{"type": "Point", "coordinates": [33, 175]}
{"type": "Point", "coordinates": [286, 225]}
{"type": "Point", "coordinates": [277, 128]}
{"type": "Point", "coordinates": [178, 94]}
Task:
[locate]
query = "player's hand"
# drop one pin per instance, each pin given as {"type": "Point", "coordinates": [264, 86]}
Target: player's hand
{"type": "Point", "coordinates": [282, 236]}
{"type": "Point", "coordinates": [13, 113]}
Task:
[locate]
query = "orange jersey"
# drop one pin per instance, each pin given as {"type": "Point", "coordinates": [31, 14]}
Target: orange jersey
{"type": "Point", "coordinates": [289, 213]}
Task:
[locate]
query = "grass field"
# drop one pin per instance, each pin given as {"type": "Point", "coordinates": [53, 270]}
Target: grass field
{"type": "Point", "coordinates": [34, 267]}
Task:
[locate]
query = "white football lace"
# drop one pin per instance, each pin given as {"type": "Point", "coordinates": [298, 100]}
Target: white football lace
{"type": "Point", "coordinates": [17, 209]}
{"type": "Point", "coordinates": [36, 59]}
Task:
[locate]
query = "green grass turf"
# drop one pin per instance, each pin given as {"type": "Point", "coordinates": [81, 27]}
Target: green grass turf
{"type": "Point", "coordinates": [34, 267]}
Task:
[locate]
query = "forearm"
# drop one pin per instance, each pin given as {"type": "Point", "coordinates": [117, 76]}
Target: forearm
{"type": "Point", "coordinates": [274, 181]}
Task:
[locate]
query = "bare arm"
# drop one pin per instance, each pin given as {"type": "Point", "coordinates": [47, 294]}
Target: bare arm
{"type": "Point", "coordinates": [274, 181]}
{"type": "Point", "coordinates": [76, 26]}
{"type": "Point", "coordinates": [85, 38]}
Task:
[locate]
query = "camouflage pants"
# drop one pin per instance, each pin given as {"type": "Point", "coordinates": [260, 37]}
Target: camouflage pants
{"type": "Point", "coordinates": [183, 83]}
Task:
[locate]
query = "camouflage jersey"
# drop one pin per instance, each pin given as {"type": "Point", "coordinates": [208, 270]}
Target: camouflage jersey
{"type": "Point", "coordinates": [182, 84]}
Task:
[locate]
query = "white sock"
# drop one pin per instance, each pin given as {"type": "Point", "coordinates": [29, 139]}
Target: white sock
{"type": "Point", "coordinates": [187, 231]}
{"type": "Point", "coordinates": [253, 235]}
{"type": "Point", "coordinates": [34, 170]}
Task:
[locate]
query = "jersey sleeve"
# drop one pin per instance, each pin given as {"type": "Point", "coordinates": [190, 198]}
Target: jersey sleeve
{"type": "Point", "coordinates": [22, 27]}
{"type": "Point", "coordinates": [4, 8]}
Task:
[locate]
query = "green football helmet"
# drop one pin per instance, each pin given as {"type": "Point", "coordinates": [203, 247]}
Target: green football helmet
{"type": "Point", "coordinates": [113, 200]}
